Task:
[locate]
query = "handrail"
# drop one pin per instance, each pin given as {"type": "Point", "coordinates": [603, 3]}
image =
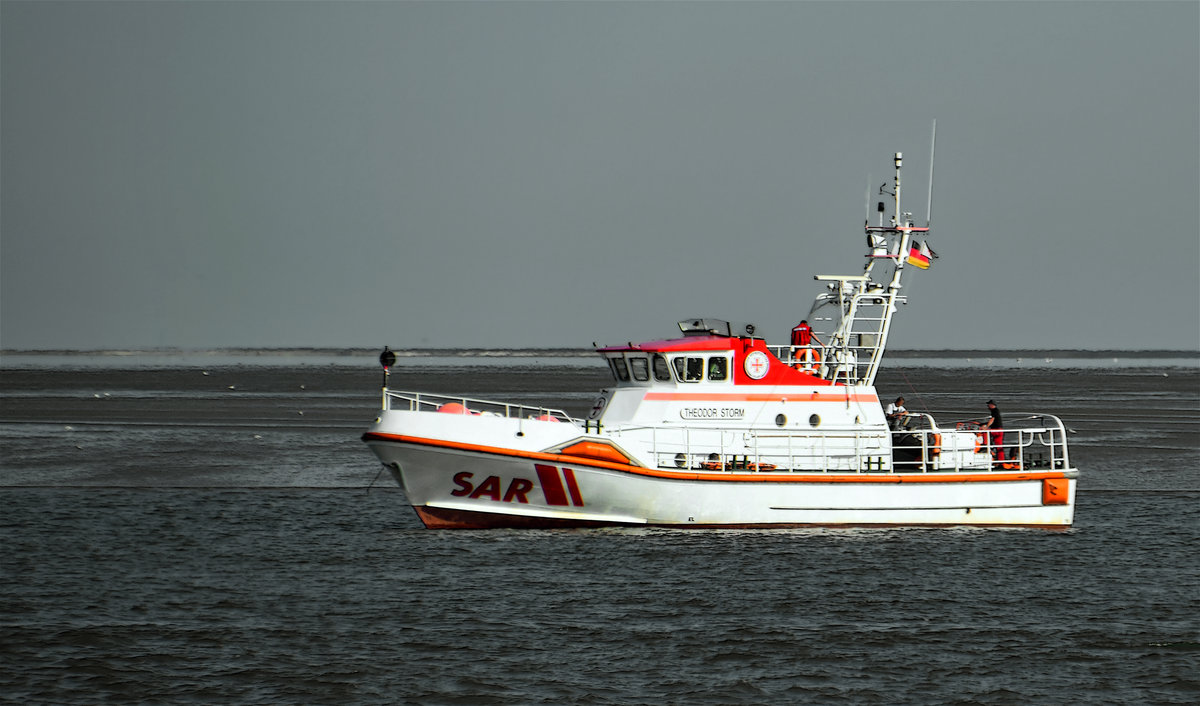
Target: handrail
{"type": "Point", "coordinates": [1050, 434]}
{"type": "Point", "coordinates": [427, 402]}
{"type": "Point", "coordinates": [921, 448]}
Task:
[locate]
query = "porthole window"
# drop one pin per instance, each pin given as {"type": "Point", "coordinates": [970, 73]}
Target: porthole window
{"type": "Point", "coordinates": [780, 420]}
{"type": "Point", "coordinates": [814, 420]}
{"type": "Point", "coordinates": [640, 368]}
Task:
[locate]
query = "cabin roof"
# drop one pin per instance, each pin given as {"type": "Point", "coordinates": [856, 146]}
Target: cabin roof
{"type": "Point", "coordinates": [676, 345]}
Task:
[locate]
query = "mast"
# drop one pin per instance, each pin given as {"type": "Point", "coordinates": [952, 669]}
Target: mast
{"type": "Point", "coordinates": [866, 303]}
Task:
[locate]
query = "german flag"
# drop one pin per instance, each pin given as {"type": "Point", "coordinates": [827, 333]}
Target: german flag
{"type": "Point", "coordinates": [920, 255]}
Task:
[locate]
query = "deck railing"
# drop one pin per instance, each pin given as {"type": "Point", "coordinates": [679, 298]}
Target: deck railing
{"type": "Point", "coordinates": [425, 402]}
{"type": "Point", "coordinates": [739, 450]}
{"type": "Point", "coordinates": [847, 364]}
{"type": "Point", "coordinates": [1030, 442]}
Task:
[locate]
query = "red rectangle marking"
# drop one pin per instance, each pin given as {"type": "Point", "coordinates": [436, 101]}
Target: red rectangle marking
{"type": "Point", "coordinates": [576, 498]}
{"type": "Point", "coordinates": [552, 486]}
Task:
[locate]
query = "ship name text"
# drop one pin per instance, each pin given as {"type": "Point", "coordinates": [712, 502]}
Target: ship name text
{"type": "Point", "coordinates": [713, 412]}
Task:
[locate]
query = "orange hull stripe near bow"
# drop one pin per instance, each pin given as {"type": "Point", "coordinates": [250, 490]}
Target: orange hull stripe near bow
{"type": "Point", "coordinates": [758, 477]}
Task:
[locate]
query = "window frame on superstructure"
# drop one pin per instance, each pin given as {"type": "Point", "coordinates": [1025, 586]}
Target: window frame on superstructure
{"type": "Point", "coordinates": [662, 373]}
{"type": "Point", "coordinates": [682, 365]}
{"type": "Point", "coordinates": [619, 368]}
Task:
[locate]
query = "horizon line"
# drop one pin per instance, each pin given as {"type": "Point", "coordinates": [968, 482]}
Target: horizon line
{"type": "Point", "coordinates": [353, 351]}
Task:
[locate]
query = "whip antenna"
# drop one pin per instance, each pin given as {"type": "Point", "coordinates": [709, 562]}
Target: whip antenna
{"type": "Point", "coordinates": [932, 147]}
{"type": "Point", "coordinates": [867, 200]}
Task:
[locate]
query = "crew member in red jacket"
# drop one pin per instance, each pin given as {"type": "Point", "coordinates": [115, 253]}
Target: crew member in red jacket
{"type": "Point", "coordinates": [802, 334]}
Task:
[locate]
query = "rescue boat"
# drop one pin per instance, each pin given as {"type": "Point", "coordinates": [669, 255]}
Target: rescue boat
{"type": "Point", "coordinates": [715, 428]}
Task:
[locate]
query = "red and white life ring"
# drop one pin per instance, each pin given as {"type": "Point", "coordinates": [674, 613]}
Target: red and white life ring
{"type": "Point", "coordinates": [806, 360]}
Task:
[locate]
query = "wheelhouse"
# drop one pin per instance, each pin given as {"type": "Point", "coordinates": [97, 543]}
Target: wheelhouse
{"type": "Point", "coordinates": [642, 368]}
{"type": "Point", "coordinates": [711, 352]}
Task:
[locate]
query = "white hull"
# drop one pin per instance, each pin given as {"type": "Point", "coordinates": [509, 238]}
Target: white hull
{"type": "Point", "coordinates": [464, 488]}
{"type": "Point", "coordinates": [717, 429]}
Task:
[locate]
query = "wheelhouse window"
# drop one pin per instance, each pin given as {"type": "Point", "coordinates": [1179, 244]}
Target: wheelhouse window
{"type": "Point", "coordinates": [640, 368]}
{"type": "Point", "coordinates": [620, 370]}
{"type": "Point", "coordinates": [689, 369]}
{"type": "Point", "coordinates": [662, 371]}
{"type": "Point", "coordinates": [714, 368]}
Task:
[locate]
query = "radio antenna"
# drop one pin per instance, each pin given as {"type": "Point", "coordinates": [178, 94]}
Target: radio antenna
{"type": "Point", "coordinates": [932, 147]}
{"type": "Point", "coordinates": [867, 199]}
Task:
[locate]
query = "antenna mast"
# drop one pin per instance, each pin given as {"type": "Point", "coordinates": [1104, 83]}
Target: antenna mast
{"type": "Point", "coordinates": [929, 205]}
{"type": "Point", "coordinates": [896, 214]}
{"type": "Point", "coordinates": [864, 304]}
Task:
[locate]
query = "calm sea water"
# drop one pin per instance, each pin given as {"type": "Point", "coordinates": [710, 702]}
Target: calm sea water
{"type": "Point", "coordinates": [220, 535]}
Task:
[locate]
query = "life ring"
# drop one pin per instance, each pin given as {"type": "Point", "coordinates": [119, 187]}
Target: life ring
{"type": "Point", "coordinates": [935, 445]}
{"type": "Point", "coordinates": [806, 360]}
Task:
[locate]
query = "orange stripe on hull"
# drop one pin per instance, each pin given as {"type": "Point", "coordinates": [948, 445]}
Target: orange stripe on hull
{"type": "Point", "coordinates": [760, 477]}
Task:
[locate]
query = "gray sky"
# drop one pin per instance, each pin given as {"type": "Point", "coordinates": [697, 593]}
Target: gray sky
{"type": "Point", "coordinates": [203, 174]}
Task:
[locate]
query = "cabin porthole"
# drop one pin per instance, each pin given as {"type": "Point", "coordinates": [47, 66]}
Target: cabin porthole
{"type": "Point", "coordinates": [814, 420]}
{"type": "Point", "coordinates": [780, 420]}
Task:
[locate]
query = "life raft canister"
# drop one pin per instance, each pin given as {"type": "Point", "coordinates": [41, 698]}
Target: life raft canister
{"type": "Point", "coordinates": [597, 450]}
{"type": "Point", "coordinates": [980, 435]}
